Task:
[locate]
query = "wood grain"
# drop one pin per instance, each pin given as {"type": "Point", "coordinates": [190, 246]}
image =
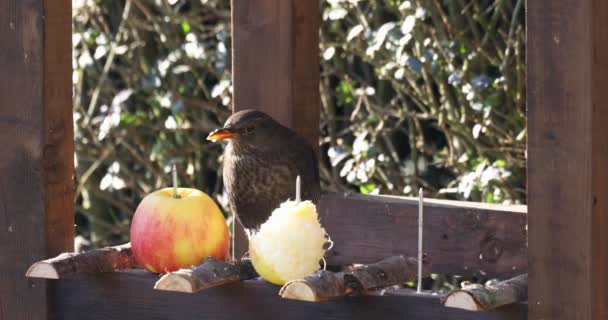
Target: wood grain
{"type": "Point", "coordinates": [58, 150]}
{"type": "Point", "coordinates": [568, 152]}
{"type": "Point", "coordinates": [36, 139]}
{"type": "Point", "coordinates": [326, 285]}
{"type": "Point", "coordinates": [460, 237]}
{"type": "Point", "coordinates": [480, 297]}
{"type": "Point", "coordinates": [210, 273]}
{"type": "Point", "coordinates": [67, 264]}
{"type": "Point", "coordinates": [130, 295]}
{"type": "Point", "coordinates": [275, 58]}
{"type": "Point", "coordinates": [275, 63]}
{"type": "Point", "coordinates": [599, 161]}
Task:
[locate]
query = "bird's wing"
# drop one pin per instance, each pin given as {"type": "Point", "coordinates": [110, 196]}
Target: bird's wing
{"type": "Point", "coordinates": [306, 165]}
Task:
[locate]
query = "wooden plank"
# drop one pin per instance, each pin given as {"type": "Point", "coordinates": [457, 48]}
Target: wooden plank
{"type": "Point", "coordinates": [568, 152]}
{"type": "Point", "coordinates": [58, 151]}
{"type": "Point", "coordinates": [462, 238]}
{"type": "Point", "coordinates": [36, 216]}
{"type": "Point", "coordinates": [275, 63]}
{"type": "Point", "coordinates": [599, 162]}
{"type": "Point", "coordinates": [129, 295]}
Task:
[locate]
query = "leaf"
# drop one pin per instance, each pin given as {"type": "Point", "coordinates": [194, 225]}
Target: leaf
{"type": "Point", "coordinates": [219, 88]}
{"type": "Point", "coordinates": [383, 32]}
{"type": "Point", "coordinates": [414, 64]}
{"type": "Point", "coordinates": [329, 53]}
{"type": "Point", "coordinates": [185, 26]}
{"type": "Point", "coordinates": [480, 82]}
{"type": "Point", "coordinates": [500, 163]}
{"type": "Point", "coordinates": [367, 188]}
{"type": "Point", "coordinates": [408, 24]}
{"type": "Point", "coordinates": [355, 31]}
{"type": "Point", "coordinates": [121, 97]}
{"type": "Point", "coordinates": [476, 130]}
{"type": "Point", "coordinates": [346, 169]}
{"type": "Point", "coordinates": [335, 13]}
{"type": "Point", "coordinates": [336, 155]}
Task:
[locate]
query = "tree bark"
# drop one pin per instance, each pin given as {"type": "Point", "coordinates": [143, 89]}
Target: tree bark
{"type": "Point", "coordinates": [327, 285]}
{"type": "Point", "coordinates": [107, 259]}
{"type": "Point", "coordinates": [209, 274]}
{"type": "Point", "coordinates": [476, 297]}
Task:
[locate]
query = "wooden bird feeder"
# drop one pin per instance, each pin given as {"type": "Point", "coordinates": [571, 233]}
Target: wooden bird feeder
{"type": "Point", "coordinates": [554, 252]}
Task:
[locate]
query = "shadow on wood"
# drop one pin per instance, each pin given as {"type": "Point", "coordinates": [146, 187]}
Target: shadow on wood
{"type": "Point", "coordinates": [130, 294]}
{"type": "Point", "coordinates": [463, 238]}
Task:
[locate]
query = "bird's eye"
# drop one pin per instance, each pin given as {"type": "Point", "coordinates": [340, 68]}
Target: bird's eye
{"type": "Point", "coordinates": [250, 129]}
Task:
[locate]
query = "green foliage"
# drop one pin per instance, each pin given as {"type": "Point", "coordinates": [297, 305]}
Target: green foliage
{"type": "Point", "coordinates": [414, 94]}
{"type": "Point", "coordinates": [425, 94]}
{"type": "Point", "coordinates": [149, 85]}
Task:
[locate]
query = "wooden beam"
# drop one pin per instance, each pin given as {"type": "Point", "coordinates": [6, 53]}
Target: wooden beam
{"type": "Point", "coordinates": [36, 162]}
{"type": "Point", "coordinates": [275, 65]}
{"type": "Point", "coordinates": [58, 150]}
{"type": "Point", "coordinates": [275, 61]}
{"type": "Point", "coordinates": [567, 58]}
{"type": "Point", "coordinates": [129, 295]}
{"type": "Point", "coordinates": [464, 238]}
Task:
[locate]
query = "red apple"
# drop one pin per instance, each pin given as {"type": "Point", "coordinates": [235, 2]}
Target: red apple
{"type": "Point", "coordinates": [169, 233]}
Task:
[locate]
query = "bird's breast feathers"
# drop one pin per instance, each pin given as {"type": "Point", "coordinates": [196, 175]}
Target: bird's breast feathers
{"type": "Point", "coordinates": [256, 175]}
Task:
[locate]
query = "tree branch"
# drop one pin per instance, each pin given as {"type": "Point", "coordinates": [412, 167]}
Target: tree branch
{"type": "Point", "coordinates": [476, 297]}
{"type": "Point", "coordinates": [107, 259]}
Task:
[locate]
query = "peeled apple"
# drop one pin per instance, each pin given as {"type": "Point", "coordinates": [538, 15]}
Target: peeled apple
{"type": "Point", "coordinates": [290, 244]}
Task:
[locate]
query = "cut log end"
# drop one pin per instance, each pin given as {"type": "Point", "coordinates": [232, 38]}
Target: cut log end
{"type": "Point", "coordinates": [42, 269]}
{"type": "Point", "coordinates": [462, 300]}
{"type": "Point", "coordinates": [326, 285]}
{"type": "Point", "coordinates": [477, 297]}
{"type": "Point", "coordinates": [210, 273]}
{"type": "Point", "coordinates": [298, 290]}
{"type": "Point", "coordinates": [174, 282]}
{"type": "Point", "coordinates": [108, 259]}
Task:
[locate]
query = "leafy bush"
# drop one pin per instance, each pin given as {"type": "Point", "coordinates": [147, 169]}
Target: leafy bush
{"type": "Point", "coordinates": [414, 94]}
{"type": "Point", "coordinates": [425, 94]}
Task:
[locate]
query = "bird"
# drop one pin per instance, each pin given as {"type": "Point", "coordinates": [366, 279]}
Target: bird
{"type": "Point", "coordinates": [261, 163]}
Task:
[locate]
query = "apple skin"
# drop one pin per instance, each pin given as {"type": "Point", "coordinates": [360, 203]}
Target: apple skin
{"type": "Point", "coordinates": [168, 234]}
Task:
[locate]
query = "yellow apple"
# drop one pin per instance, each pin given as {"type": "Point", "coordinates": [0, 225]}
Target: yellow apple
{"type": "Point", "coordinates": [169, 233]}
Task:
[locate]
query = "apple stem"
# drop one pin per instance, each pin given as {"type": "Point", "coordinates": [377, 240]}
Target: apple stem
{"type": "Point", "coordinates": [174, 173]}
{"type": "Point", "coordinates": [298, 198]}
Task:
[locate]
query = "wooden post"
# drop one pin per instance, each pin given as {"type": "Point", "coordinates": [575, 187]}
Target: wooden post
{"type": "Point", "coordinates": [36, 162]}
{"type": "Point", "coordinates": [275, 63]}
{"type": "Point", "coordinates": [568, 159]}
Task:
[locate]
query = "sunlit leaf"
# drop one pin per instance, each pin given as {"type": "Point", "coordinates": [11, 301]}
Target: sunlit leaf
{"type": "Point", "coordinates": [185, 26]}
{"type": "Point", "coordinates": [354, 32]}
{"type": "Point", "coordinates": [367, 188]}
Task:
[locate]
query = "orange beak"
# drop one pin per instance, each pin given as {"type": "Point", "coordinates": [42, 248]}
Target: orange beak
{"type": "Point", "coordinates": [222, 134]}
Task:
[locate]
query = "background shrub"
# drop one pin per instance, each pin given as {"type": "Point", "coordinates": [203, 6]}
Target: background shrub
{"type": "Point", "coordinates": [414, 94]}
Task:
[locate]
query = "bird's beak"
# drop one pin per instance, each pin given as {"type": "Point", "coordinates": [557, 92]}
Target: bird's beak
{"type": "Point", "coordinates": [221, 134]}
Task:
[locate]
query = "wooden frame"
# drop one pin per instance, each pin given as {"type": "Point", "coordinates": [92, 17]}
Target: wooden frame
{"type": "Point", "coordinates": [36, 165]}
{"type": "Point", "coordinates": [276, 70]}
{"type": "Point", "coordinates": [568, 158]}
{"type": "Point", "coordinates": [123, 296]}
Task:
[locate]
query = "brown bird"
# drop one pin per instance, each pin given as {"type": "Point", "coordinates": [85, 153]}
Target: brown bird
{"type": "Point", "coordinates": [261, 163]}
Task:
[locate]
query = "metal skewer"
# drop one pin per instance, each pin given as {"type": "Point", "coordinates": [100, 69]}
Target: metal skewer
{"type": "Point", "coordinates": [298, 198]}
{"type": "Point", "coordinates": [174, 173]}
{"type": "Point", "coordinates": [420, 223]}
